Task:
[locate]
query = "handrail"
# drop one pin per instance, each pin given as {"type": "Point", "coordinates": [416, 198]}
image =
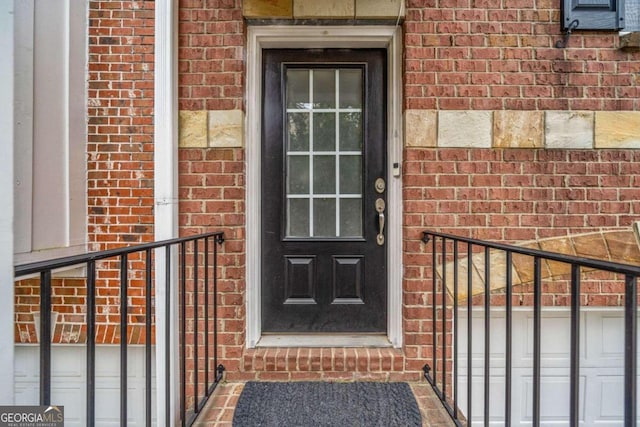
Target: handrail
{"type": "Point", "coordinates": [188, 281]}
{"type": "Point", "coordinates": [69, 261]}
{"type": "Point", "coordinates": [447, 251]}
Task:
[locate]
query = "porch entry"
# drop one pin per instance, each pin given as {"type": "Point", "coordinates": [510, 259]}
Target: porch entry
{"type": "Point", "coordinates": [324, 191]}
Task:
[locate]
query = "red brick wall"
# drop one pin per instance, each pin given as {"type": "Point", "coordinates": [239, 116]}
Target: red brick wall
{"type": "Point", "coordinates": [212, 181]}
{"type": "Point", "coordinates": [120, 146]}
{"type": "Point", "coordinates": [120, 131]}
{"type": "Point", "coordinates": [211, 55]}
{"type": "Point", "coordinates": [518, 195]}
{"type": "Point", "coordinates": [495, 55]}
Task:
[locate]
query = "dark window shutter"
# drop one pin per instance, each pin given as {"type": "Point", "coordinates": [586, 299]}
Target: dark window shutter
{"type": "Point", "coordinates": [594, 14]}
{"type": "Point", "coordinates": [632, 15]}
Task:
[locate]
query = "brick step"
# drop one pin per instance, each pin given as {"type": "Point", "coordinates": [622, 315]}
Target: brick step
{"type": "Point", "coordinates": [336, 363]}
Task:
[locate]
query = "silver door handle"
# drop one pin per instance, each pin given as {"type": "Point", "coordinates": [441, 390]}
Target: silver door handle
{"type": "Point", "coordinates": [380, 238]}
{"type": "Point", "coordinates": [380, 206]}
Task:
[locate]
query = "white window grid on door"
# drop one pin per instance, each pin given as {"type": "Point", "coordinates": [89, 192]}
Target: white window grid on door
{"type": "Point", "coordinates": [310, 110]}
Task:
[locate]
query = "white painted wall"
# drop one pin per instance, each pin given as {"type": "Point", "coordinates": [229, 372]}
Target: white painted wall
{"type": "Point", "coordinates": [6, 196]}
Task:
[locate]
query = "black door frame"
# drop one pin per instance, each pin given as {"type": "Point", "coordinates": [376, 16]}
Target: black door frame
{"type": "Point", "coordinates": [265, 36]}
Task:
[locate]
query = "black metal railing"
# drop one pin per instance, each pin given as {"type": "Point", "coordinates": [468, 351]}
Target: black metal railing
{"type": "Point", "coordinates": [198, 264]}
{"type": "Point", "coordinates": [453, 274]}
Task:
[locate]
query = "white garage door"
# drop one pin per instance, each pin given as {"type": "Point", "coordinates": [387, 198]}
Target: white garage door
{"type": "Point", "coordinates": [601, 367]}
{"type": "Point", "coordinates": [68, 382]}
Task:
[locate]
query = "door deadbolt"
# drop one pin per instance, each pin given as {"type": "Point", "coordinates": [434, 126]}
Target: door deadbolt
{"type": "Point", "coordinates": [380, 185]}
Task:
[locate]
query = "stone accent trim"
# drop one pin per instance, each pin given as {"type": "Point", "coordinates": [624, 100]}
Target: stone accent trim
{"type": "Point", "coordinates": [192, 127]}
{"type": "Point", "coordinates": [522, 129]}
{"type": "Point", "coordinates": [630, 41]}
{"type": "Point", "coordinates": [569, 129]}
{"type": "Point", "coordinates": [617, 129]}
{"type": "Point", "coordinates": [211, 129]}
{"type": "Point", "coordinates": [470, 129]}
{"type": "Point", "coordinates": [267, 9]}
{"type": "Point", "coordinates": [328, 9]}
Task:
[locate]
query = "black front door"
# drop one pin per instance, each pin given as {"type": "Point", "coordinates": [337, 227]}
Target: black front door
{"type": "Point", "coordinates": [323, 191]}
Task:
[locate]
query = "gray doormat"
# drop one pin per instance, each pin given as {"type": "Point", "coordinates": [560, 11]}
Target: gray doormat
{"type": "Point", "coordinates": [288, 404]}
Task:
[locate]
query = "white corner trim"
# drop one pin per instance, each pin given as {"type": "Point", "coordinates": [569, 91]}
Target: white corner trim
{"type": "Point", "coordinates": [7, 193]}
{"type": "Point", "coordinates": [278, 36]}
{"type": "Point", "coordinates": [166, 198]}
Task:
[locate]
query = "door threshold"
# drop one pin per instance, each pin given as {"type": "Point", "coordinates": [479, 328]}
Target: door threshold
{"type": "Point", "coordinates": [324, 340]}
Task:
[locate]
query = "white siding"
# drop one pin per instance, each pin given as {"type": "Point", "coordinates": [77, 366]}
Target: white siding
{"type": "Point", "coordinates": [51, 129]}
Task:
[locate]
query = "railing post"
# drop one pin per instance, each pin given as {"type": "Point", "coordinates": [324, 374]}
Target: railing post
{"type": "Point", "coordinates": [219, 367]}
{"type": "Point", "coordinates": [91, 343]}
{"type": "Point", "coordinates": [147, 336]}
{"type": "Point", "coordinates": [443, 334]}
{"type": "Point", "coordinates": [630, 350]}
{"type": "Point", "coordinates": [574, 393]}
{"type": "Point", "coordinates": [123, 338]}
{"type": "Point", "coordinates": [537, 311]}
{"type": "Point", "coordinates": [455, 329]}
{"type": "Point", "coordinates": [508, 338]}
{"type": "Point", "coordinates": [183, 333]}
{"type": "Point", "coordinates": [469, 332]}
{"type": "Point", "coordinates": [487, 334]}
{"type": "Point", "coordinates": [167, 336]}
{"type": "Point", "coordinates": [196, 403]}
{"type": "Point", "coordinates": [206, 316]}
{"type": "Point", "coordinates": [434, 367]}
{"type": "Point", "coordinates": [45, 337]}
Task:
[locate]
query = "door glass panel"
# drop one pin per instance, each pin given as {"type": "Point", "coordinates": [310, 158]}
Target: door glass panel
{"type": "Point", "coordinates": [324, 217]}
{"type": "Point", "coordinates": [298, 88]}
{"type": "Point", "coordinates": [298, 131]}
{"type": "Point", "coordinates": [298, 175]}
{"type": "Point", "coordinates": [350, 89]}
{"type": "Point", "coordinates": [324, 88]}
{"type": "Point", "coordinates": [350, 217]}
{"type": "Point", "coordinates": [351, 131]}
{"type": "Point", "coordinates": [350, 174]}
{"type": "Point", "coordinates": [324, 157]}
{"type": "Point", "coordinates": [324, 175]}
{"type": "Point", "coordinates": [324, 131]}
{"type": "Point", "coordinates": [298, 212]}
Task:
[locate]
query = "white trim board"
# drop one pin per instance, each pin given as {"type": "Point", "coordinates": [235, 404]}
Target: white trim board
{"type": "Point", "coordinates": [282, 36]}
{"type": "Point", "coordinates": [7, 111]}
{"type": "Point", "coordinates": [166, 202]}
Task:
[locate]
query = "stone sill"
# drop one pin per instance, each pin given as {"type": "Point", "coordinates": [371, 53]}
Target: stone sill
{"type": "Point", "coordinates": [630, 41]}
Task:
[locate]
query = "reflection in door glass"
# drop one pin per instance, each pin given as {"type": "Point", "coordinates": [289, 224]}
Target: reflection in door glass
{"type": "Point", "coordinates": [297, 88]}
{"type": "Point", "coordinates": [298, 212]}
{"type": "Point", "coordinates": [298, 131]}
{"type": "Point", "coordinates": [324, 142]}
{"type": "Point", "coordinates": [324, 131]}
{"type": "Point", "coordinates": [324, 89]}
